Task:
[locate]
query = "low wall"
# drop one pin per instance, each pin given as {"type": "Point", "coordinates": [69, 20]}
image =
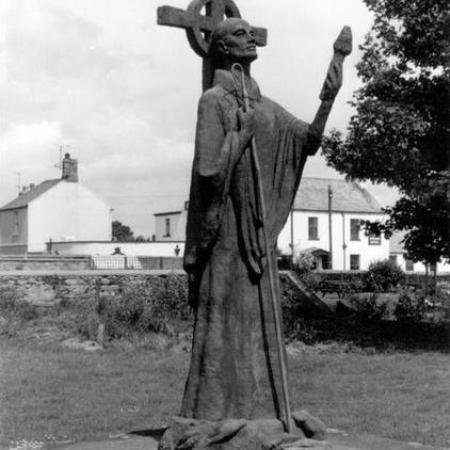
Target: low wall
{"type": "Point", "coordinates": [44, 263]}
{"type": "Point", "coordinates": [49, 289]}
{"type": "Point", "coordinates": [153, 248]}
{"type": "Point", "coordinates": [348, 276]}
{"type": "Point", "coordinates": [117, 262]}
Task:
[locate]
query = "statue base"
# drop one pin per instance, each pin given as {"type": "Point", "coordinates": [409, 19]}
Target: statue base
{"type": "Point", "coordinates": [242, 434]}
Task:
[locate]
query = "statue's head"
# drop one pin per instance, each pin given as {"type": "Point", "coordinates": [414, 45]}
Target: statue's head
{"type": "Point", "coordinates": [232, 41]}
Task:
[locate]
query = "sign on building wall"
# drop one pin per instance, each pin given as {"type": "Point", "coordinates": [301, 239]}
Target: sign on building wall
{"type": "Point", "coordinates": [374, 239]}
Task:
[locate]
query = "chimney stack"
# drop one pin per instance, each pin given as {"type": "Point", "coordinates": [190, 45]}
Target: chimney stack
{"type": "Point", "coordinates": [24, 190]}
{"type": "Point", "coordinates": [69, 169]}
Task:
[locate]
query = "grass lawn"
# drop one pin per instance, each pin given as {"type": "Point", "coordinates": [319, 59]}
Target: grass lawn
{"type": "Point", "coordinates": [49, 393]}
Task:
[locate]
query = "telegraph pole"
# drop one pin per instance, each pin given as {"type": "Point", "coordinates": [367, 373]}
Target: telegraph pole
{"type": "Point", "coordinates": [19, 186]}
{"type": "Point", "coordinates": [330, 224]}
{"type": "Point", "coordinates": [58, 165]}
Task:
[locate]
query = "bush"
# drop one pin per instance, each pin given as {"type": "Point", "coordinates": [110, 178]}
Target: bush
{"type": "Point", "coordinates": [311, 279]}
{"type": "Point", "coordinates": [19, 309]}
{"type": "Point", "coordinates": [368, 308]}
{"type": "Point", "coordinates": [130, 308]}
{"type": "Point", "coordinates": [383, 276]}
{"type": "Point", "coordinates": [410, 308]}
{"type": "Point", "coordinates": [146, 307]}
{"type": "Point", "coordinates": [14, 313]}
{"type": "Point", "coordinates": [291, 308]}
{"type": "Point", "coordinates": [304, 262]}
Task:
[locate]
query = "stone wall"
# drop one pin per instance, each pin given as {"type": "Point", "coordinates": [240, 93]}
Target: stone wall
{"type": "Point", "coordinates": [53, 288]}
{"type": "Point", "coordinates": [47, 289]}
{"type": "Point", "coordinates": [57, 263]}
{"type": "Point", "coordinates": [44, 263]}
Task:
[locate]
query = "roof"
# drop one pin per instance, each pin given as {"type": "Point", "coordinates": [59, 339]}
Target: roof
{"type": "Point", "coordinates": [347, 196]}
{"type": "Point", "coordinates": [169, 213]}
{"type": "Point", "coordinates": [22, 200]}
{"type": "Point", "coordinates": [395, 242]}
{"type": "Point", "coordinates": [315, 251]}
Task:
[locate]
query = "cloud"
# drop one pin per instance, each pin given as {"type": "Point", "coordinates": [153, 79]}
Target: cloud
{"type": "Point", "coordinates": [28, 149]}
{"type": "Point", "coordinates": [120, 93]}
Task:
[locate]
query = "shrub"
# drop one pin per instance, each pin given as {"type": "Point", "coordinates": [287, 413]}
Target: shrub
{"type": "Point", "coordinates": [311, 279]}
{"type": "Point", "coordinates": [410, 308]}
{"type": "Point", "coordinates": [383, 276]}
{"type": "Point", "coordinates": [304, 262]}
{"type": "Point", "coordinates": [149, 306]}
{"type": "Point", "coordinates": [291, 307]}
{"type": "Point", "coordinates": [16, 308]}
{"type": "Point", "coordinates": [368, 308]}
{"type": "Point", "coordinates": [307, 331]}
{"type": "Point", "coordinates": [14, 313]}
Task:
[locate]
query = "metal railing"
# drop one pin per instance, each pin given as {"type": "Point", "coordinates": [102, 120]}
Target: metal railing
{"type": "Point", "coordinates": [123, 262]}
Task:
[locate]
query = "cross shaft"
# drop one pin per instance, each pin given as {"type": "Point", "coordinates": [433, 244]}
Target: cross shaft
{"type": "Point", "coordinates": [179, 18]}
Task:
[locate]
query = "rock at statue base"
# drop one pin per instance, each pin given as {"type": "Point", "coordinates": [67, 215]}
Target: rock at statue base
{"type": "Point", "coordinates": [311, 426]}
{"type": "Point", "coordinates": [241, 434]}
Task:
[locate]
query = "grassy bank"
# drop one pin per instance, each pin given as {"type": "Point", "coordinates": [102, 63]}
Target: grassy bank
{"type": "Point", "coordinates": [359, 372]}
{"type": "Point", "coordinates": [50, 393]}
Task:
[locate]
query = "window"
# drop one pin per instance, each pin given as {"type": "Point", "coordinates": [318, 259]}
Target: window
{"type": "Point", "coordinates": [16, 232]}
{"type": "Point", "coordinates": [393, 259]}
{"type": "Point", "coordinates": [313, 228]}
{"type": "Point", "coordinates": [354, 262]}
{"type": "Point", "coordinates": [326, 262]}
{"type": "Point", "coordinates": [409, 265]}
{"type": "Point", "coordinates": [167, 228]}
{"type": "Point", "coordinates": [355, 227]}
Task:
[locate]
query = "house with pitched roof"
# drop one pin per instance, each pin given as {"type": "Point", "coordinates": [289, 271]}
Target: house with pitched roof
{"type": "Point", "coordinates": [170, 226]}
{"type": "Point", "coordinates": [55, 210]}
{"type": "Point", "coordinates": [325, 220]}
{"type": "Point", "coordinates": [397, 254]}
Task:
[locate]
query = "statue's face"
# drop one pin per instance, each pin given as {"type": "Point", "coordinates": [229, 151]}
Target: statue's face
{"type": "Point", "coordinates": [238, 42]}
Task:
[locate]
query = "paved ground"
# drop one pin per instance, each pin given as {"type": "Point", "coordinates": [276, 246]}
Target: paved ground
{"type": "Point", "coordinates": [336, 441]}
{"type": "Point", "coordinates": [124, 443]}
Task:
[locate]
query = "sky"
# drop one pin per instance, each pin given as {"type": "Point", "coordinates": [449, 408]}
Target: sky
{"type": "Point", "coordinates": [119, 93]}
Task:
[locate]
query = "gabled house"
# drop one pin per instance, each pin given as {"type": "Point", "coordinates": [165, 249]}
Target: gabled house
{"type": "Point", "coordinates": [171, 226]}
{"type": "Point", "coordinates": [326, 220]}
{"type": "Point", "coordinates": [397, 255]}
{"type": "Point", "coordinates": [311, 224]}
{"type": "Point", "coordinates": [54, 210]}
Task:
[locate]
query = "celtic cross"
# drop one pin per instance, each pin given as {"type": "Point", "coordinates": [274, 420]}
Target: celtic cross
{"type": "Point", "coordinates": [199, 27]}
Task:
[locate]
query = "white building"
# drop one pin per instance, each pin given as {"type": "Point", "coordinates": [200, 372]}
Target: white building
{"type": "Point", "coordinates": [322, 229]}
{"type": "Point", "coordinates": [397, 254]}
{"type": "Point", "coordinates": [307, 228]}
{"type": "Point", "coordinates": [171, 226]}
{"type": "Point", "coordinates": [54, 210]}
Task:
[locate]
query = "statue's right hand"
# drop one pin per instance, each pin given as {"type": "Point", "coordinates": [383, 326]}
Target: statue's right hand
{"type": "Point", "coordinates": [247, 123]}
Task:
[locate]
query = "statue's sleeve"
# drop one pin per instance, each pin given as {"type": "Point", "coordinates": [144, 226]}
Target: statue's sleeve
{"type": "Point", "coordinates": [290, 157]}
{"type": "Point", "coordinates": [211, 172]}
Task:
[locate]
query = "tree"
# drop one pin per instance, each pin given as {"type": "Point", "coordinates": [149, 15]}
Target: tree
{"type": "Point", "coordinates": [399, 134]}
{"type": "Point", "coordinates": [141, 238]}
{"type": "Point", "coordinates": [121, 232]}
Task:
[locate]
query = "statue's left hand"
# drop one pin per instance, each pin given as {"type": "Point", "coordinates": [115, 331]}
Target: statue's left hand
{"type": "Point", "coordinates": [333, 81]}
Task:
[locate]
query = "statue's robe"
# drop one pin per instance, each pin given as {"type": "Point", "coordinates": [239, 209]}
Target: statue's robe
{"type": "Point", "coordinates": [234, 370]}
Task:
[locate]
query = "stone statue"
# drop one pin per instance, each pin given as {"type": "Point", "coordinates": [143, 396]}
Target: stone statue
{"type": "Point", "coordinates": [234, 376]}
